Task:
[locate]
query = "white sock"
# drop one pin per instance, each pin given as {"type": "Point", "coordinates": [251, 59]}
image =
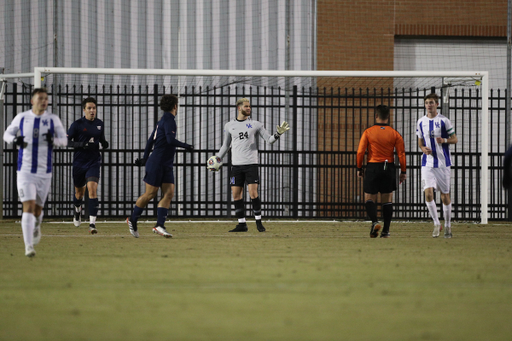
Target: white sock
{"type": "Point", "coordinates": [257, 217]}
{"type": "Point", "coordinates": [28, 222]}
{"type": "Point", "coordinates": [39, 220]}
{"type": "Point", "coordinates": [432, 208]}
{"type": "Point", "coordinates": [241, 221]}
{"type": "Point", "coordinates": [447, 211]}
{"type": "Point", "coordinates": [92, 219]}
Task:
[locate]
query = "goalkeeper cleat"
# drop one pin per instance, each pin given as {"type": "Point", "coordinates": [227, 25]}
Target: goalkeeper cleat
{"type": "Point", "coordinates": [77, 217]}
{"type": "Point", "coordinates": [437, 231]}
{"type": "Point", "coordinates": [161, 231]}
{"type": "Point", "coordinates": [374, 232]}
{"type": "Point", "coordinates": [240, 228]}
{"type": "Point", "coordinates": [448, 232]}
{"type": "Point", "coordinates": [37, 234]}
{"type": "Point", "coordinates": [92, 229]}
{"type": "Point", "coordinates": [29, 251]}
{"type": "Point", "coordinates": [133, 227]}
{"type": "Point", "coordinates": [260, 226]}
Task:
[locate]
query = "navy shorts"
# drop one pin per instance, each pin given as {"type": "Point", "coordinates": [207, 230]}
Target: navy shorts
{"type": "Point", "coordinates": [241, 175]}
{"type": "Point", "coordinates": [379, 180]}
{"type": "Point", "coordinates": [158, 174]}
{"type": "Point", "coordinates": [83, 175]}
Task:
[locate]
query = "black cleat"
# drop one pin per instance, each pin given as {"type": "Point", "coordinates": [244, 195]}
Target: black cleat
{"type": "Point", "coordinates": [260, 226]}
{"type": "Point", "coordinates": [374, 232]}
{"type": "Point", "coordinates": [384, 234]}
{"type": "Point", "coordinates": [133, 227]}
{"type": "Point", "coordinates": [240, 228]}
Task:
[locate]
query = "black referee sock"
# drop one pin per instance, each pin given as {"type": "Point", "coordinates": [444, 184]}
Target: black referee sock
{"type": "Point", "coordinates": [239, 209]}
{"type": "Point", "coordinates": [387, 213]}
{"type": "Point", "coordinates": [371, 209]}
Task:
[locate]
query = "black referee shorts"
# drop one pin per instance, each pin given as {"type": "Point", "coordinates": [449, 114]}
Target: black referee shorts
{"type": "Point", "coordinates": [379, 180]}
{"type": "Point", "coordinates": [247, 174]}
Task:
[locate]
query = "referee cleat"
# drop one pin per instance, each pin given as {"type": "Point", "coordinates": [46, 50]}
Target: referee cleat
{"type": "Point", "coordinates": [77, 218]}
{"type": "Point", "coordinates": [384, 234]}
{"type": "Point", "coordinates": [374, 232]}
{"type": "Point", "coordinates": [133, 227]}
{"type": "Point", "coordinates": [161, 231]}
{"type": "Point", "coordinates": [437, 231]}
{"type": "Point", "coordinates": [260, 226]}
{"type": "Point", "coordinates": [92, 229]}
{"type": "Point", "coordinates": [29, 251]}
{"type": "Point", "coordinates": [240, 228]}
{"type": "Point", "coordinates": [37, 235]}
{"type": "Point", "coordinates": [448, 232]}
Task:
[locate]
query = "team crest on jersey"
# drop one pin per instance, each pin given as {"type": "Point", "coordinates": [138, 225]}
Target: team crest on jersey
{"type": "Point", "coordinates": [249, 125]}
{"type": "Point", "coordinates": [438, 125]}
{"type": "Point", "coordinates": [45, 122]}
{"type": "Point", "coordinates": [99, 127]}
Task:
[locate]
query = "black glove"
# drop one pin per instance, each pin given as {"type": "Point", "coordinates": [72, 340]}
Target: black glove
{"type": "Point", "coordinates": [104, 144]}
{"type": "Point", "coordinates": [189, 148]}
{"type": "Point", "coordinates": [140, 162]}
{"type": "Point", "coordinates": [18, 141]}
{"type": "Point", "coordinates": [48, 137]}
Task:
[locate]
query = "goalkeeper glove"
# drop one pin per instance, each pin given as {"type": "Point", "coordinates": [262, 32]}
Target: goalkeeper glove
{"type": "Point", "coordinates": [283, 128]}
{"type": "Point", "coordinates": [140, 162]}
{"type": "Point", "coordinates": [18, 141]}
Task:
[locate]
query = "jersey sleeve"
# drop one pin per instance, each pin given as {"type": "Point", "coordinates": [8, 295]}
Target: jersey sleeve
{"type": "Point", "coordinates": [419, 131]}
{"type": "Point", "coordinates": [400, 150]}
{"type": "Point", "coordinates": [265, 135]}
{"type": "Point", "coordinates": [226, 144]}
{"type": "Point", "coordinates": [59, 139]}
{"type": "Point", "coordinates": [449, 127]}
{"type": "Point", "coordinates": [12, 129]}
{"type": "Point", "coordinates": [361, 150]}
{"type": "Point", "coordinates": [170, 135]}
{"type": "Point", "coordinates": [150, 143]}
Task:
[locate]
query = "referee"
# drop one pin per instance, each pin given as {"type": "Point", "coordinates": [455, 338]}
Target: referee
{"type": "Point", "coordinates": [380, 177]}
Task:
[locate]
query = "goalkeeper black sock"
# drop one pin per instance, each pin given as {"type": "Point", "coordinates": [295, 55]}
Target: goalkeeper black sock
{"type": "Point", "coordinates": [256, 208]}
{"type": "Point", "coordinates": [371, 209]}
{"type": "Point", "coordinates": [240, 211]}
{"type": "Point", "coordinates": [387, 213]}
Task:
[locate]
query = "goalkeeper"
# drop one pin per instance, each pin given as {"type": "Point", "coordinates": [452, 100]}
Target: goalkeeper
{"type": "Point", "coordinates": [241, 134]}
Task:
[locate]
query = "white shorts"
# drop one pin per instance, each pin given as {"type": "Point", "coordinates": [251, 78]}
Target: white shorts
{"type": "Point", "coordinates": [437, 178]}
{"type": "Point", "coordinates": [33, 188]}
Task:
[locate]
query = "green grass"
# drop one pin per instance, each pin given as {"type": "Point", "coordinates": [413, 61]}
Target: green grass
{"type": "Point", "coordinates": [297, 281]}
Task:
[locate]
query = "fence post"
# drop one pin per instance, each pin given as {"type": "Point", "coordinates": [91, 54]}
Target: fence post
{"type": "Point", "coordinates": [295, 200]}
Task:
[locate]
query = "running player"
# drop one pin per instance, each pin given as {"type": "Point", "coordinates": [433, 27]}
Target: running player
{"type": "Point", "coordinates": [435, 133]}
{"type": "Point", "coordinates": [381, 141]}
{"type": "Point", "coordinates": [159, 167]}
{"type": "Point", "coordinates": [85, 135]}
{"type": "Point", "coordinates": [35, 132]}
{"type": "Point", "coordinates": [241, 134]}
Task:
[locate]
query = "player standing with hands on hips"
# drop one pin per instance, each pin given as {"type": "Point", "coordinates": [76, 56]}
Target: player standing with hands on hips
{"type": "Point", "coordinates": [35, 132]}
{"type": "Point", "coordinates": [435, 134]}
{"type": "Point", "coordinates": [381, 141]}
{"type": "Point", "coordinates": [240, 134]}
{"type": "Point", "coordinates": [159, 167]}
{"type": "Point", "coordinates": [85, 135]}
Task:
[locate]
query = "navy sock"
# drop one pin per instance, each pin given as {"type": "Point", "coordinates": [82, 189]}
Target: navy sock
{"type": "Point", "coordinates": [93, 207]}
{"type": "Point", "coordinates": [77, 202]}
{"type": "Point", "coordinates": [137, 212]}
{"type": "Point", "coordinates": [162, 215]}
{"type": "Point", "coordinates": [387, 212]}
{"type": "Point", "coordinates": [371, 209]}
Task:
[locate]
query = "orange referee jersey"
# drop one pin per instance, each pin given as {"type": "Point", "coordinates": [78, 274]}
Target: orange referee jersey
{"type": "Point", "coordinates": [381, 141]}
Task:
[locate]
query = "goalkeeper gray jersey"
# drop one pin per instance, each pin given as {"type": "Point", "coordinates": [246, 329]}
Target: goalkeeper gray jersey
{"type": "Point", "coordinates": [241, 136]}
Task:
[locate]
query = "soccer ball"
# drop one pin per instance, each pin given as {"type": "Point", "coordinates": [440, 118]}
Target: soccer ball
{"type": "Point", "coordinates": [214, 163]}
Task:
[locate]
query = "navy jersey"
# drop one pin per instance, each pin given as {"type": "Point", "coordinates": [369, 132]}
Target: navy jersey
{"type": "Point", "coordinates": [83, 130]}
{"type": "Point", "coordinates": [163, 142]}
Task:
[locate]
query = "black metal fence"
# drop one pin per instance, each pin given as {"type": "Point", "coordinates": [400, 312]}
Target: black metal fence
{"type": "Point", "coordinates": [309, 173]}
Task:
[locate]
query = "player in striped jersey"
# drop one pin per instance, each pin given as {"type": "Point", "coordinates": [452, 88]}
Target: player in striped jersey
{"type": "Point", "coordinates": [35, 132]}
{"type": "Point", "coordinates": [435, 133]}
{"type": "Point", "coordinates": [381, 141]}
{"type": "Point", "coordinates": [240, 134]}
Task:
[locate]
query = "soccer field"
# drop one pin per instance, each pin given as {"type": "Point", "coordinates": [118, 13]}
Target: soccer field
{"type": "Point", "coordinates": [297, 281]}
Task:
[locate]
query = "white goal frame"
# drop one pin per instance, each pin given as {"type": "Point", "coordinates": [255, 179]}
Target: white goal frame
{"type": "Point", "coordinates": [483, 76]}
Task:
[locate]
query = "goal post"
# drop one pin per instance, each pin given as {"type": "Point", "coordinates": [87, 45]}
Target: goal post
{"type": "Point", "coordinates": [481, 78]}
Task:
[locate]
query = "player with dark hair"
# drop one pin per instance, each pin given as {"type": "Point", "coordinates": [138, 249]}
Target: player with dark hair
{"type": "Point", "coordinates": [435, 134]}
{"type": "Point", "coordinates": [85, 135]}
{"type": "Point", "coordinates": [381, 141]}
{"type": "Point", "coordinates": [241, 134]}
{"type": "Point", "coordinates": [35, 132]}
{"type": "Point", "coordinates": [161, 145]}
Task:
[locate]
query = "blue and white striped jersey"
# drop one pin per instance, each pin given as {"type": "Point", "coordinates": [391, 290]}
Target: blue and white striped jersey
{"type": "Point", "coordinates": [36, 157]}
{"type": "Point", "coordinates": [430, 128]}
